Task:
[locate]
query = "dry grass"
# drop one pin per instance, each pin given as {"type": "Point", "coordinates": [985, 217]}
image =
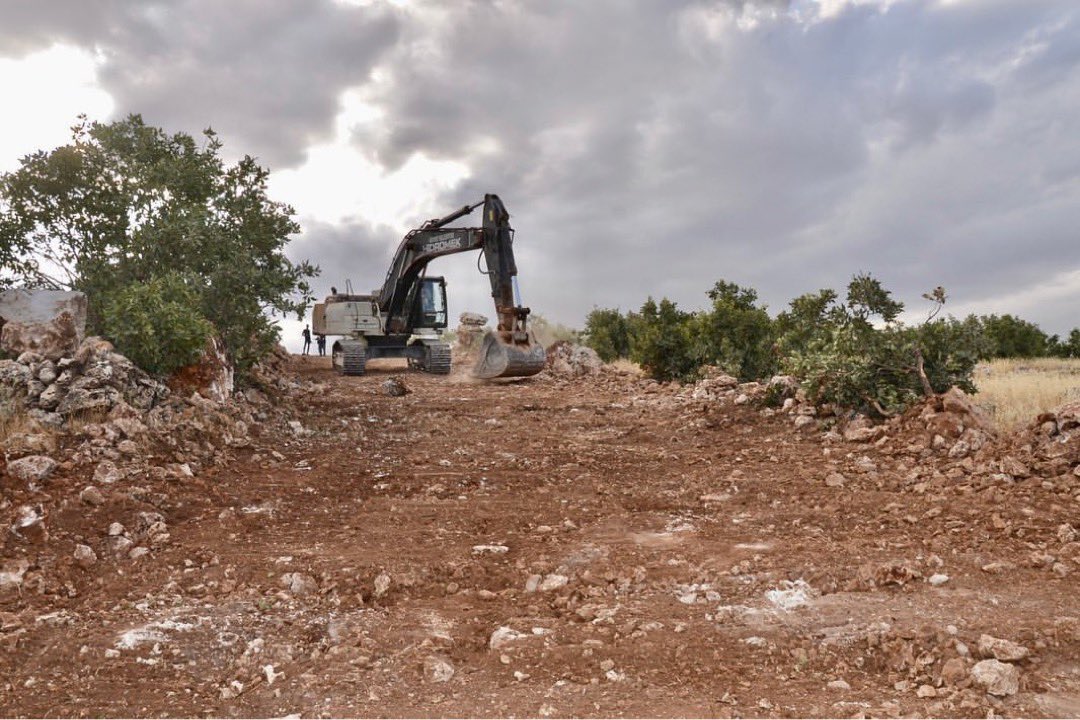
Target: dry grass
{"type": "Point", "coordinates": [626, 367]}
{"type": "Point", "coordinates": [1015, 391]}
{"type": "Point", "coordinates": [13, 422]}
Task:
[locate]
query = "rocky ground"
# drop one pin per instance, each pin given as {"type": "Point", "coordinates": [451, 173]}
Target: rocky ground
{"type": "Point", "coordinates": [579, 543]}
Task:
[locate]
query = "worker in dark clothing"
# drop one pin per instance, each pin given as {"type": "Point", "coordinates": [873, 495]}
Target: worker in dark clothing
{"type": "Point", "coordinates": [320, 339]}
{"type": "Point", "coordinates": [307, 340]}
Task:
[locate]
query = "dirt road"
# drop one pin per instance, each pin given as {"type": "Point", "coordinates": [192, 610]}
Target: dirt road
{"type": "Point", "coordinates": [552, 547]}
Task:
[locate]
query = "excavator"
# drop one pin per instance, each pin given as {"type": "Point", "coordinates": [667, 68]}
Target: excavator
{"type": "Point", "coordinates": [407, 315]}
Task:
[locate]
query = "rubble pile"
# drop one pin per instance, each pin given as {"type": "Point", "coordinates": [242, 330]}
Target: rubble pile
{"type": "Point", "coordinates": [1050, 446]}
{"type": "Point", "coordinates": [93, 379]}
{"type": "Point", "coordinates": [566, 358]}
{"type": "Point", "coordinates": [94, 431]}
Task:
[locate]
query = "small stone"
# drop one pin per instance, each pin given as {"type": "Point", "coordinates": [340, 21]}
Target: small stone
{"type": "Point", "coordinates": [553, 582]}
{"type": "Point", "coordinates": [490, 549]}
{"type": "Point", "coordinates": [503, 636]}
{"type": "Point", "coordinates": [938, 579]}
{"type": "Point", "coordinates": [1005, 650]}
{"type": "Point", "coordinates": [839, 685]}
{"type": "Point", "coordinates": [30, 525]}
{"type": "Point", "coordinates": [532, 584]}
{"type": "Point", "coordinates": [106, 473]}
{"type": "Point", "coordinates": [1061, 569]}
{"type": "Point", "coordinates": [953, 671]}
{"type": "Point", "coordinates": [120, 545]}
{"type": "Point", "coordinates": [865, 465]}
{"type": "Point", "coordinates": [926, 691]}
{"type": "Point", "coordinates": [138, 552]}
{"type": "Point", "coordinates": [34, 468]}
{"type": "Point", "coordinates": [116, 529]}
{"type": "Point", "coordinates": [395, 387]}
{"type": "Point", "coordinates": [997, 567]}
{"type": "Point", "coordinates": [91, 496]}
{"type": "Point", "coordinates": [85, 555]}
{"type": "Point", "coordinates": [1066, 533]}
{"type": "Point", "coordinates": [803, 421]}
{"type": "Point", "coordinates": [835, 480]}
{"type": "Point", "coordinates": [607, 665]}
{"type": "Point", "coordinates": [299, 584]}
{"type": "Point", "coordinates": [382, 584]}
{"type": "Point", "coordinates": [438, 669]}
{"type": "Point", "coordinates": [999, 679]}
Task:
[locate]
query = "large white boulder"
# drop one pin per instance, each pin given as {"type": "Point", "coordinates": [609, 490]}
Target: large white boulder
{"type": "Point", "coordinates": [50, 323]}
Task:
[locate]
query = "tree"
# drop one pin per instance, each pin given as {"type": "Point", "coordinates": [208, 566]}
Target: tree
{"type": "Point", "coordinates": [1012, 337]}
{"type": "Point", "coordinates": [858, 354]}
{"type": "Point", "coordinates": [660, 341]}
{"type": "Point", "coordinates": [126, 204]}
{"type": "Point", "coordinates": [735, 334]}
{"type": "Point", "coordinates": [608, 333]}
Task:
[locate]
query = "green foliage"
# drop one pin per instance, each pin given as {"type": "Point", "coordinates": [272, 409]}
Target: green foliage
{"type": "Point", "coordinates": [660, 341]}
{"type": "Point", "coordinates": [608, 333]}
{"type": "Point", "coordinates": [846, 358]}
{"type": "Point", "coordinates": [1071, 347]}
{"type": "Point", "coordinates": [1011, 337]}
{"type": "Point", "coordinates": [125, 204]}
{"type": "Point", "coordinates": [157, 325]}
{"type": "Point", "coordinates": [735, 334]}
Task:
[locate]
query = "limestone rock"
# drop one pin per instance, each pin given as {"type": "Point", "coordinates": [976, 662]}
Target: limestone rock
{"type": "Point", "coordinates": [503, 636]}
{"type": "Point", "coordinates": [395, 387]}
{"type": "Point", "coordinates": [91, 496]}
{"type": "Point", "coordinates": [212, 375]}
{"type": "Point", "coordinates": [998, 678]}
{"type": "Point", "coordinates": [299, 584]}
{"type": "Point", "coordinates": [85, 555]}
{"type": "Point", "coordinates": [106, 473]}
{"type": "Point", "coordinates": [1004, 650]}
{"type": "Point", "coordinates": [49, 323]}
{"type": "Point", "coordinates": [553, 582]}
{"type": "Point", "coordinates": [565, 358]}
{"type": "Point", "coordinates": [438, 669]}
{"type": "Point", "coordinates": [33, 468]}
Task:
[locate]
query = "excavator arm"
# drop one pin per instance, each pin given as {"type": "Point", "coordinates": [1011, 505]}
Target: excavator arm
{"type": "Point", "coordinates": [510, 350]}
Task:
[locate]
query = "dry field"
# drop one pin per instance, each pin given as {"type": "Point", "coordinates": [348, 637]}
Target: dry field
{"type": "Point", "coordinates": [1015, 391]}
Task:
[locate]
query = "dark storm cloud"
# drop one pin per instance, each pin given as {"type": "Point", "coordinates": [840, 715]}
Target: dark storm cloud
{"type": "Point", "coordinates": [657, 147]}
{"type": "Point", "coordinates": [352, 251]}
{"type": "Point", "coordinates": [652, 147]}
{"type": "Point", "coordinates": [266, 74]}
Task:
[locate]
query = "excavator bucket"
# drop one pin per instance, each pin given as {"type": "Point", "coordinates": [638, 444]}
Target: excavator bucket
{"type": "Point", "coordinates": [505, 358]}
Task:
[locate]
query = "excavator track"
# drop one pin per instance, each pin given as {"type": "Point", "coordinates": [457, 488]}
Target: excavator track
{"type": "Point", "coordinates": [437, 358]}
{"type": "Point", "coordinates": [354, 358]}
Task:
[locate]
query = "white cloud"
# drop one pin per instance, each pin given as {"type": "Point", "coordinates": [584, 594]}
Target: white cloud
{"type": "Point", "coordinates": [43, 94]}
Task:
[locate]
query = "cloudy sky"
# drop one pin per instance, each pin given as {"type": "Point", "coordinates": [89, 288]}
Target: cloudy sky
{"type": "Point", "coordinates": [648, 147]}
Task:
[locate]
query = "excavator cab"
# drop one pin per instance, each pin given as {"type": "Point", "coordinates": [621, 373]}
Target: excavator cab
{"type": "Point", "coordinates": [429, 305]}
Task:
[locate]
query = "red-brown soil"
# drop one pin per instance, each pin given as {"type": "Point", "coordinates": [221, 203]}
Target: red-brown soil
{"type": "Point", "coordinates": [412, 525]}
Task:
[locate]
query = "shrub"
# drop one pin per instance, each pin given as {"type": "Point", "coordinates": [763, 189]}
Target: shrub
{"type": "Point", "coordinates": [159, 325]}
{"type": "Point", "coordinates": [660, 341]}
{"type": "Point", "coordinates": [736, 334]}
{"type": "Point", "coordinates": [608, 333]}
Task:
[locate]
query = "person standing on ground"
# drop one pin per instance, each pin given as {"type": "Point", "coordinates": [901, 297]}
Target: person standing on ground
{"type": "Point", "coordinates": [320, 339]}
{"type": "Point", "coordinates": [307, 340]}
